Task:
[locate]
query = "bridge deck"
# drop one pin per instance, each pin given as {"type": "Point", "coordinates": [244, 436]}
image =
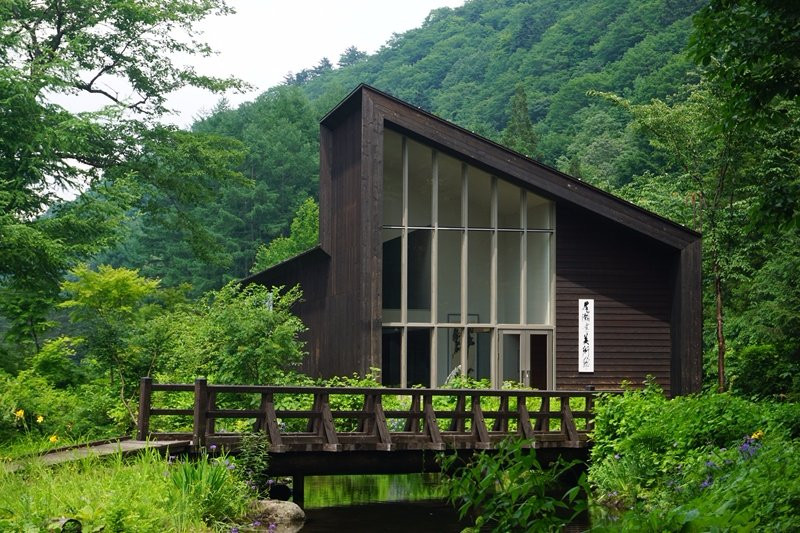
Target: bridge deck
{"type": "Point", "coordinates": [124, 445]}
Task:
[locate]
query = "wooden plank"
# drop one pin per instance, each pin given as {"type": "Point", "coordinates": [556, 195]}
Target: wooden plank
{"type": "Point", "coordinates": [125, 447]}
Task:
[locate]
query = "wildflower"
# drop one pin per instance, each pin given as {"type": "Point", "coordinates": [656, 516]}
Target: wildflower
{"type": "Point", "coordinates": [711, 464]}
{"type": "Point", "coordinates": [749, 447]}
{"type": "Point", "coordinates": [231, 466]}
{"type": "Point", "coordinates": [707, 483]}
{"type": "Point", "coordinates": [39, 419]}
{"type": "Point", "coordinates": [212, 448]}
{"type": "Point", "coordinates": [234, 530]}
{"type": "Point", "coordinates": [616, 456]}
{"type": "Point", "coordinates": [255, 523]}
{"type": "Point", "coordinates": [272, 527]}
{"type": "Point", "coordinates": [19, 413]}
{"type": "Point", "coordinates": [757, 435]}
{"type": "Point", "coordinates": [270, 481]}
{"type": "Point", "coordinates": [53, 438]}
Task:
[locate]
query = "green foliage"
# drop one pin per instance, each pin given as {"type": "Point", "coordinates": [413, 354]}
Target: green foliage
{"type": "Point", "coordinates": [253, 461]}
{"type": "Point", "coordinates": [233, 335]}
{"type": "Point", "coordinates": [510, 490]}
{"type": "Point", "coordinates": [304, 236]}
{"type": "Point", "coordinates": [749, 49]}
{"type": "Point", "coordinates": [519, 134]}
{"type": "Point", "coordinates": [55, 362]}
{"type": "Point", "coordinates": [211, 487]}
{"type": "Point", "coordinates": [764, 372]}
{"type": "Point", "coordinates": [114, 158]}
{"type": "Point", "coordinates": [693, 462]}
{"type": "Point", "coordinates": [142, 494]}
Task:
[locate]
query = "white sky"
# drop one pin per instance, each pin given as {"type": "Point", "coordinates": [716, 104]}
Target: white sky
{"type": "Point", "coordinates": [266, 39]}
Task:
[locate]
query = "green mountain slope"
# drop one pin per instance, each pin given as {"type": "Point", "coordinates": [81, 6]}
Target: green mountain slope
{"type": "Point", "coordinates": [463, 64]}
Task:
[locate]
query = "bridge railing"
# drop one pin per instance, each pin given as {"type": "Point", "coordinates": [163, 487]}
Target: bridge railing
{"type": "Point", "coordinates": [425, 419]}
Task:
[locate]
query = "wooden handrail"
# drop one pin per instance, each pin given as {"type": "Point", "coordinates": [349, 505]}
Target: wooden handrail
{"type": "Point", "coordinates": [469, 424]}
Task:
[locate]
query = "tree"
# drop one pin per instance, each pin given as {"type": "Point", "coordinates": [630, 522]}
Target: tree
{"type": "Point", "coordinates": [112, 158]}
{"type": "Point", "coordinates": [351, 56]}
{"type": "Point", "coordinates": [304, 236]}
{"type": "Point", "coordinates": [717, 172]}
{"type": "Point", "coordinates": [751, 50]}
{"type": "Point", "coordinates": [110, 305]}
{"type": "Point", "coordinates": [519, 134]}
{"type": "Point", "coordinates": [234, 335]}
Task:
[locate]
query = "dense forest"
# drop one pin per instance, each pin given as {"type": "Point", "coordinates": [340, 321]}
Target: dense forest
{"type": "Point", "coordinates": [688, 108]}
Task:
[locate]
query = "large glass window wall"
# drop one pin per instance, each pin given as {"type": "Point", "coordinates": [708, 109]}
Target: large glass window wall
{"type": "Point", "coordinates": [467, 258]}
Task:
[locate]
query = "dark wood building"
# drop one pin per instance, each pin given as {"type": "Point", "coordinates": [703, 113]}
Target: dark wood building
{"type": "Point", "coordinates": [442, 253]}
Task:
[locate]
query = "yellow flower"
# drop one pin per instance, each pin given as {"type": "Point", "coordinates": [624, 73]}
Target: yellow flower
{"type": "Point", "coordinates": [757, 435]}
{"type": "Point", "coordinates": [53, 438]}
{"type": "Point", "coordinates": [39, 419]}
{"type": "Point", "coordinates": [19, 413]}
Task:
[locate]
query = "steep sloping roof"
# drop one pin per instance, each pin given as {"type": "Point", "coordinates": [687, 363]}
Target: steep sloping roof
{"type": "Point", "coordinates": [501, 161]}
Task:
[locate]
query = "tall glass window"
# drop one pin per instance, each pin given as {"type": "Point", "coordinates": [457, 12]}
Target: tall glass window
{"type": "Point", "coordinates": [466, 256]}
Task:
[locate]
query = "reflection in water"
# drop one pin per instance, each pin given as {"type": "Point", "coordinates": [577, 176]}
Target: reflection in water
{"type": "Point", "coordinates": [396, 503]}
{"type": "Point", "coordinates": [328, 491]}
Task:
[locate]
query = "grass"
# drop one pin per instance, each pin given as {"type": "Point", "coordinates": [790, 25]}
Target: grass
{"type": "Point", "coordinates": [145, 493]}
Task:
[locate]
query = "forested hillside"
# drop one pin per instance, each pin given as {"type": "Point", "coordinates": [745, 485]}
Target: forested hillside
{"type": "Point", "coordinates": [463, 64]}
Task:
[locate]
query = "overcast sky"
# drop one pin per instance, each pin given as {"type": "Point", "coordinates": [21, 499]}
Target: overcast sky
{"type": "Point", "coordinates": [266, 39]}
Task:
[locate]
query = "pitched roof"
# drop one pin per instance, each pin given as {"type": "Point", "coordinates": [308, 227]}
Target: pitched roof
{"type": "Point", "coordinates": [502, 161]}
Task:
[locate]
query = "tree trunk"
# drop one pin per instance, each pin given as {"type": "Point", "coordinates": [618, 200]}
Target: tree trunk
{"type": "Point", "coordinates": [720, 330]}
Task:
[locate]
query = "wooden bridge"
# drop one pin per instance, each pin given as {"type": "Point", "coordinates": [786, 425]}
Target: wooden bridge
{"type": "Point", "coordinates": [345, 430]}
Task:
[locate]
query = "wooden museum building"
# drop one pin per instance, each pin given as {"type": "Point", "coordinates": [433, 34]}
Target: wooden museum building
{"type": "Point", "coordinates": [443, 253]}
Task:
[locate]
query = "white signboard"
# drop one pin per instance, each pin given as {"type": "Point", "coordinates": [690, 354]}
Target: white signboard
{"type": "Point", "coordinates": [585, 335]}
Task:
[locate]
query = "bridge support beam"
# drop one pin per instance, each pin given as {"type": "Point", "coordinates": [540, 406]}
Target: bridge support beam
{"type": "Point", "coordinates": [298, 490]}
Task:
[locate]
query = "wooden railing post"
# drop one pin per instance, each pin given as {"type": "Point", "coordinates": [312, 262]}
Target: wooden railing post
{"type": "Point", "coordinates": [327, 430]}
{"type": "Point", "coordinates": [479, 431]}
{"type": "Point", "coordinates": [567, 422]}
{"type": "Point", "coordinates": [269, 422]}
{"type": "Point", "coordinates": [542, 418]}
{"type": "Point", "coordinates": [200, 412]}
{"type": "Point", "coordinates": [145, 394]}
{"type": "Point", "coordinates": [381, 426]}
{"type": "Point", "coordinates": [524, 419]}
{"type": "Point", "coordinates": [431, 425]}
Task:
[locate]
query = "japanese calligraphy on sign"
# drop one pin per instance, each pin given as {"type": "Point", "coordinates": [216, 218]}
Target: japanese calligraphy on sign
{"type": "Point", "coordinates": [585, 335]}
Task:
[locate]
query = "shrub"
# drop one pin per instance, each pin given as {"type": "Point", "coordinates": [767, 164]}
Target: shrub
{"type": "Point", "coordinates": [510, 490]}
{"type": "Point", "coordinates": [142, 494]}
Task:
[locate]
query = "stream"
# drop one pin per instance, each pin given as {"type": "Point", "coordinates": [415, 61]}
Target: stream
{"type": "Point", "coordinates": [386, 503]}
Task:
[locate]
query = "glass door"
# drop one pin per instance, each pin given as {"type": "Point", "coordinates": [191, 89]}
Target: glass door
{"type": "Point", "coordinates": [524, 357]}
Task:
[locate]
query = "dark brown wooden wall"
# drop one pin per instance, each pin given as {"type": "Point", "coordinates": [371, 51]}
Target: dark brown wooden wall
{"type": "Point", "coordinates": [344, 204]}
{"type": "Point", "coordinates": [629, 277]}
{"type": "Point", "coordinates": [310, 271]}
